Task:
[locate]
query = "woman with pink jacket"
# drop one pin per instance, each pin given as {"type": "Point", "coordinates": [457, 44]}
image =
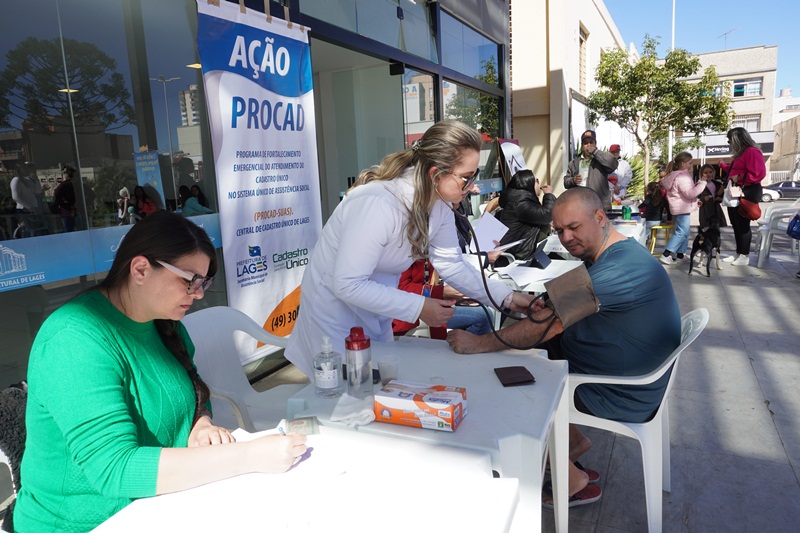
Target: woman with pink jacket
{"type": "Point", "coordinates": [682, 194]}
{"type": "Point", "coordinates": [747, 169]}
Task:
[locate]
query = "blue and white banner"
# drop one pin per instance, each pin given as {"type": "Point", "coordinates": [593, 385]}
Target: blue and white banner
{"type": "Point", "coordinates": [148, 175]}
{"type": "Point", "coordinates": [258, 82]}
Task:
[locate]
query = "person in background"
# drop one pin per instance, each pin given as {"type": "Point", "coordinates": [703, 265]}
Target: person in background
{"type": "Point", "coordinates": [64, 196]}
{"type": "Point", "coordinates": [590, 168]}
{"type": "Point", "coordinates": [26, 191]}
{"type": "Point", "coordinates": [682, 194]}
{"type": "Point", "coordinates": [624, 174]}
{"type": "Point", "coordinates": [201, 198]}
{"type": "Point", "coordinates": [143, 203]}
{"type": "Point", "coordinates": [396, 213]}
{"type": "Point", "coordinates": [527, 218]}
{"type": "Point", "coordinates": [652, 207]}
{"type": "Point", "coordinates": [636, 329]}
{"type": "Point", "coordinates": [711, 198]}
{"type": "Point", "coordinates": [116, 409]}
{"type": "Point", "coordinates": [190, 205]}
{"type": "Point", "coordinates": [747, 169]}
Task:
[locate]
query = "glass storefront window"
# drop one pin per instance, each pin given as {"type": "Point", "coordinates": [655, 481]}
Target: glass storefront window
{"type": "Point", "coordinates": [402, 24]}
{"type": "Point", "coordinates": [468, 52]}
{"type": "Point", "coordinates": [472, 107]}
{"type": "Point", "coordinates": [419, 112]}
{"type": "Point", "coordinates": [92, 107]}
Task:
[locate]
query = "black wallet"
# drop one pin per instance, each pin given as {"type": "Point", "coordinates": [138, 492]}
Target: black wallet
{"type": "Point", "coordinates": [514, 375]}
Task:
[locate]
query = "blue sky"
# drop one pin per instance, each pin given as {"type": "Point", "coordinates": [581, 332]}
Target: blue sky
{"type": "Point", "coordinates": [700, 24]}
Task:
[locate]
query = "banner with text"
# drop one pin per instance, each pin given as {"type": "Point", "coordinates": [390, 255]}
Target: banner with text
{"type": "Point", "coordinates": [259, 90]}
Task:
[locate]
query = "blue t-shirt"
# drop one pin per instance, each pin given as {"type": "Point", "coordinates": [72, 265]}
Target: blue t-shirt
{"type": "Point", "coordinates": [637, 328]}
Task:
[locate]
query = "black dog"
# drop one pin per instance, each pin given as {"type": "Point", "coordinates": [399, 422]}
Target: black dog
{"type": "Point", "coordinates": [705, 243]}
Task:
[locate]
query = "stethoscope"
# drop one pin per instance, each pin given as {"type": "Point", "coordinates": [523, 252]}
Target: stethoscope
{"type": "Point", "coordinates": [551, 318]}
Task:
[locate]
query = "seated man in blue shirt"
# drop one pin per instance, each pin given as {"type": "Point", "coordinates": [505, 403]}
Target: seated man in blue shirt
{"type": "Point", "coordinates": [637, 328]}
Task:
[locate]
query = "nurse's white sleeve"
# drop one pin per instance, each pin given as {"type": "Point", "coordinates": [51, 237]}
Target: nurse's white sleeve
{"type": "Point", "coordinates": [371, 225]}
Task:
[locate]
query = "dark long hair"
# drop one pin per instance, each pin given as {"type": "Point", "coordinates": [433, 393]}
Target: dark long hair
{"type": "Point", "coordinates": [166, 237]}
{"type": "Point", "coordinates": [523, 179]}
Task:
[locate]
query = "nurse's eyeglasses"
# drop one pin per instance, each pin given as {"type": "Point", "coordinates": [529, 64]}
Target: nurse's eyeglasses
{"type": "Point", "coordinates": [467, 181]}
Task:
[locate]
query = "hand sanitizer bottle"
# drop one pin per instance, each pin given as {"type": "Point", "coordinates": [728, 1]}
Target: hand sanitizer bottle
{"type": "Point", "coordinates": [328, 371]}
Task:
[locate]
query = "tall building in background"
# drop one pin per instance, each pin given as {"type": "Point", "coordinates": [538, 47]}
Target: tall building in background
{"type": "Point", "coordinates": [189, 106]}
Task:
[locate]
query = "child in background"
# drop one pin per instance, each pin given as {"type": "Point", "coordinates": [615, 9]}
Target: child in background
{"type": "Point", "coordinates": [711, 198]}
{"type": "Point", "coordinates": [682, 194]}
{"type": "Point", "coordinates": [652, 208]}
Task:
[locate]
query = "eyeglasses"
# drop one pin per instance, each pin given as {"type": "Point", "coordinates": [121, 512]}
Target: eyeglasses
{"type": "Point", "coordinates": [195, 282]}
{"type": "Point", "coordinates": [467, 181]}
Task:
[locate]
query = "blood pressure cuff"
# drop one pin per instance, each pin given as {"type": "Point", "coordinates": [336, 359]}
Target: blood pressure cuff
{"type": "Point", "coordinates": [571, 296]}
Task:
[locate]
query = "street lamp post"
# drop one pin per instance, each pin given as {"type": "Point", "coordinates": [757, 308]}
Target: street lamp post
{"type": "Point", "coordinates": [164, 81]}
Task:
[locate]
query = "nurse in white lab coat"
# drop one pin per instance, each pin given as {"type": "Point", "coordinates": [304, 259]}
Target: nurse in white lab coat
{"type": "Point", "coordinates": [396, 213]}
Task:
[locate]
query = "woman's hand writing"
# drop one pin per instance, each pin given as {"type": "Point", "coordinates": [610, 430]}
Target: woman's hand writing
{"type": "Point", "coordinates": [205, 433]}
{"type": "Point", "coordinates": [274, 454]}
{"type": "Point", "coordinates": [437, 312]}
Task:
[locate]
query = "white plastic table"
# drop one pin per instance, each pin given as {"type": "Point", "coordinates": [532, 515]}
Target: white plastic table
{"type": "Point", "coordinates": [353, 483]}
{"type": "Point", "coordinates": [515, 425]}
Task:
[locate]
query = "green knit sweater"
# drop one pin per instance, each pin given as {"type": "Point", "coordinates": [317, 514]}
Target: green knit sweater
{"type": "Point", "coordinates": [105, 395]}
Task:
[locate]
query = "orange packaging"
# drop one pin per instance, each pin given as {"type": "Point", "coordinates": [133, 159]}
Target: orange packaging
{"type": "Point", "coordinates": [421, 405]}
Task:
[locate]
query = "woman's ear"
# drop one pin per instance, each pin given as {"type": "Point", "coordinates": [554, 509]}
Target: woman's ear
{"type": "Point", "coordinates": [432, 173]}
{"type": "Point", "coordinates": [140, 267]}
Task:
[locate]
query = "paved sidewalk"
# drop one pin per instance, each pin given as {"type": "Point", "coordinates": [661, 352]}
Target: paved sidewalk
{"type": "Point", "coordinates": [735, 412]}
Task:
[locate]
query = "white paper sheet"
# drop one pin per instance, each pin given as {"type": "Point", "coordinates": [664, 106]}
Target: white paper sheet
{"type": "Point", "coordinates": [488, 230]}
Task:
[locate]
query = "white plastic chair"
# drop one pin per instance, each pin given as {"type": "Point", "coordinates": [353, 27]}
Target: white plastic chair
{"type": "Point", "coordinates": [653, 436]}
{"type": "Point", "coordinates": [775, 222]}
{"type": "Point", "coordinates": [218, 363]}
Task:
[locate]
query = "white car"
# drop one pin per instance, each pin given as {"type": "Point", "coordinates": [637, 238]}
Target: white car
{"type": "Point", "coordinates": [768, 195]}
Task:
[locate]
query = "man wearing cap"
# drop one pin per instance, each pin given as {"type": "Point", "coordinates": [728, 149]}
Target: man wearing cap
{"type": "Point", "coordinates": [624, 174]}
{"type": "Point", "coordinates": [590, 168]}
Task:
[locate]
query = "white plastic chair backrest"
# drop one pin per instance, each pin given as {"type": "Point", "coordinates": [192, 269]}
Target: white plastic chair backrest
{"type": "Point", "coordinates": [692, 324]}
{"type": "Point", "coordinates": [216, 357]}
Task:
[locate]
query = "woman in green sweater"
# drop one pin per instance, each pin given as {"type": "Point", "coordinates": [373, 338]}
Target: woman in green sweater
{"type": "Point", "coordinates": [116, 410]}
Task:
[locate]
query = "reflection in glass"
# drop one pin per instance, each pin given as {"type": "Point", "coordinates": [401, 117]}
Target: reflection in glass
{"type": "Point", "coordinates": [419, 112]}
{"type": "Point", "coordinates": [472, 107]}
{"type": "Point", "coordinates": [402, 24]}
{"type": "Point", "coordinates": [468, 52]}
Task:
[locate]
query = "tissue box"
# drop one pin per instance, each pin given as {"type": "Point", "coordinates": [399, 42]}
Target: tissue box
{"type": "Point", "coordinates": [421, 405]}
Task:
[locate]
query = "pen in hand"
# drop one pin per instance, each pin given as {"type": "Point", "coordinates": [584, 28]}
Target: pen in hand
{"type": "Point", "coordinates": [281, 431]}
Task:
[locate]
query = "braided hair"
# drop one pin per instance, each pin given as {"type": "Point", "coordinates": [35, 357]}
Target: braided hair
{"type": "Point", "coordinates": [165, 236]}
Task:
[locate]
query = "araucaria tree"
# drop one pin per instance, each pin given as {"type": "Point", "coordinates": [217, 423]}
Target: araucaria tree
{"type": "Point", "coordinates": [649, 96]}
{"type": "Point", "coordinates": [32, 82]}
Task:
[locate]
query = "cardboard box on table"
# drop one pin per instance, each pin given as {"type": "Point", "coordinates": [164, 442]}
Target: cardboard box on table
{"type": "Point", "coordinates": [421, 405]}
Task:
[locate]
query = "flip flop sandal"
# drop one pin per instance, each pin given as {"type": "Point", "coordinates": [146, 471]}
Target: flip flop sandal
{"type": "Point", "coordinates": [594, 476]}
{"type": "Point", "coordinates": [589, 494]}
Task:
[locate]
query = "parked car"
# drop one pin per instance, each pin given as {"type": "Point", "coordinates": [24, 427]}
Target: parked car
{"type": "Point", "coordinates": [770, 195]}
{"type": "Point", "coordinates": [788, 189]}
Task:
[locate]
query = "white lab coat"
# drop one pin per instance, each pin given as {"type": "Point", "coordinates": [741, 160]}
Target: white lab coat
{"type": "Point", "coordinates": [353, 271]}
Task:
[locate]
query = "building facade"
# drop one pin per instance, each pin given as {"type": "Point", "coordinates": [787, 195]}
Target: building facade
{"type": "Point", "coordinates": [384, 71]}
{"type": "Point", "coordinates": [748, 77]}
{"type": "Point", "coordinates": [556, 46]}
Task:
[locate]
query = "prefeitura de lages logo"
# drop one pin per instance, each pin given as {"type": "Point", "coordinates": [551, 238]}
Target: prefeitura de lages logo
{"type": "Point", "coordinates": [252, 270]}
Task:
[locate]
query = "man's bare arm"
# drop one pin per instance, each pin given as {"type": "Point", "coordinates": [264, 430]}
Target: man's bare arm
{"type": "Point", "coordinates": [523, 333]}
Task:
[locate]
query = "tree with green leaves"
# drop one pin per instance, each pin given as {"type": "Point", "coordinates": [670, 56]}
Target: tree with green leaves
{"type": "Point", "coordinates": [475, 108]}
{"type": "Point", "coordinates": [31, 82]}
{"type": "Point", "coordinates": [649, 96]}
